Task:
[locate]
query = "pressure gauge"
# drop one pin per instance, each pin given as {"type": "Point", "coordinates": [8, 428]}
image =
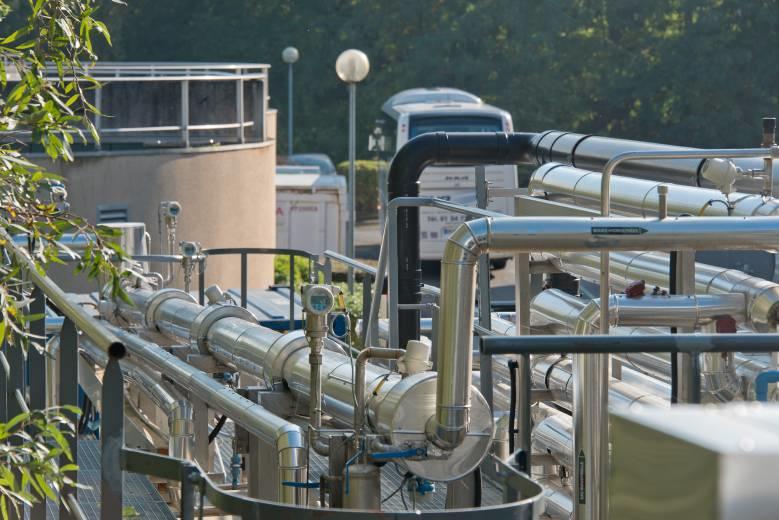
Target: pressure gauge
{"type": "Point", "coordinates": [318, 299]}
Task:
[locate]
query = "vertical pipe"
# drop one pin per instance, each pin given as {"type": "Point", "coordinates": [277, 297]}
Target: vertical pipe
{"type": "Point", "coordinates": [688, 364]}
{"type": "Point", "coordinates": [352, 187]}
{"type": "Point", "coordinates": [111, 441]}
{"type": "Point", "coordinates": [289, 112]}
{"type": "Point", "coordinates": [662, 201]}
{"type": "Point", "coordinates": [524, 371]}
{"type": "Point", "coordinates": [485, 302]}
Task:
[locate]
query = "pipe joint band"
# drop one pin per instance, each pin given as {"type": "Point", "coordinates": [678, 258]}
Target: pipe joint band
{"type": "Point", "coordinates": [198, 331]}
{"type": "Point", "coordinates": [157, 299]}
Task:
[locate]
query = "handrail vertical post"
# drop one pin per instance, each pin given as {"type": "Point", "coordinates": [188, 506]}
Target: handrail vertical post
{"type": "Point", "coordinates": [291, 292]}
{"type": "Point", "coordinates": [36, 361]}
{"type": "Point", "coordinates": [68, 394]}
{"type": "Point", "coordinates": [201, 280]}
{"type": "Point", "coordinates": [367, 298]}
{"type": "Point", "coordinates": [244, 279]}
{"type": "Point", "coordinates": [190, 475]}
{"type": "Point", "coordinates": [112, 441]}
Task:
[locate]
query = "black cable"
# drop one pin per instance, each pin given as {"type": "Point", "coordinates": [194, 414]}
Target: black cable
{"type": "Point", "coordinates": [399, 488]}
{"type": "Point", "coordinates": [218, 428]}
{"type": "Point", "coordinates": [674, 357]}
{"type": "Point", "coordinates": [477, 487]}
{"type": "Point", "coordinates": [513, 367]}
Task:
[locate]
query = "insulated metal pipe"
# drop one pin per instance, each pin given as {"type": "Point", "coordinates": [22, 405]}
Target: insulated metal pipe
{"type": "Point", "coordinates": [181, 429]}
{"type": "Point", "coordinates": [439, 148]}
{"type": "Point", "coordinates": [280, 358]}
{"type": "Point", "coordinates": [287, 438]}
{"type": "Point", "coordinates": [592, 152]}
{"type": "Point", "coordinates": [568, 234]}
{"type": "Point", "coordinates": [669, 311]}
{"type": "Point", "coordinates": [359, 378]}
{"type": "Point", "coordinates": [762, 296]}
{"type": "Point", "coordinates": [638, 196]}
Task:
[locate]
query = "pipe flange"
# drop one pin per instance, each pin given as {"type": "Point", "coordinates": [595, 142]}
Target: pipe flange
{"type": "Point", "coordinates": [198, 331]}
{"type": "Point", "coordinates": [156, 299]}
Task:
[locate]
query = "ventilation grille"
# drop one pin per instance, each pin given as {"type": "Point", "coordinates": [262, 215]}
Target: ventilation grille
{"type": "Point", "coordinates": [112, 213]}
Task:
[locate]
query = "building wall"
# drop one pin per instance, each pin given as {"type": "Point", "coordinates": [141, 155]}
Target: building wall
{"type": "Point", "coordinates": [227, 198]}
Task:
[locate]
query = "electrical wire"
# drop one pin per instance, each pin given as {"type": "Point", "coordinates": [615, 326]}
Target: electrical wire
{"type": "Point", "coordinates": [214, 433]}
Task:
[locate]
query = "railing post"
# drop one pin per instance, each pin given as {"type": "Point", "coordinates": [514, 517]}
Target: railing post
{"type": "Point", "coordinates": [201, 280]}
{"type": "Point", "coordinates": [68, 394]}
{"type": "Point", "coordinates": [36, 361]}
{"type": "Point", "coordinates": [244, 279]}
{"type": "Point", "coordinates": [185, 112]}
{"type": "Point", "coordinates": [291, 292]}
{"type": "Point", "coordinates": [112, 441]}
{"type": "Point", "coordinates": [190, 476]}
{"type": "Point", "coordinates": [239, 107]}
{"type": "Point", "coordinates": [15, 389]}
{"type": "Point", "coordinates": [367, 298]}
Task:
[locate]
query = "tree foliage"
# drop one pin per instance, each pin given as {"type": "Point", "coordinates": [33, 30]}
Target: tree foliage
{"type": "Point", "coordinates": [46, 47]}
{"type": "Point", "coordinates": [690, 72]}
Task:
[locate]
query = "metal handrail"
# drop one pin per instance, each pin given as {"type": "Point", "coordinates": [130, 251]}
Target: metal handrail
{"type": "Point", "coordinates": [75, 319]}
{"type": "Point", "coordinates": [83, 321]}
{"type": "Point", "coordinates": [244, 252]}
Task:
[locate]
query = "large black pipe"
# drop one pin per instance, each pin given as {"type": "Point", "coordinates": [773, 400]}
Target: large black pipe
{"type": "Point", "coordinates": [592, 152]}
{"type": "Point", "coordinates": [444, 149]}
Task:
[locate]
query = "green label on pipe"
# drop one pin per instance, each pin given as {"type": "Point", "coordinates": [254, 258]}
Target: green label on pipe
{"type": "Point", "coordinates": [618, 230]}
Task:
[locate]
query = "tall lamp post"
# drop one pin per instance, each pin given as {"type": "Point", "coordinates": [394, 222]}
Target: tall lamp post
{"type": "Point", "coordinates": [290, 55]}
{"type": "Point", "coordinates": [352, 66]}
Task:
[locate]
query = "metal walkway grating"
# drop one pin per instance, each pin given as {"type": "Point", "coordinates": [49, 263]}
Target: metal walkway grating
{"type": "Point", "coordinates": [140, 495]}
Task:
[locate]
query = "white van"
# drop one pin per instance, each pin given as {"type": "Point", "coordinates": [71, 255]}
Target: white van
{"type": "Point", "coordinates": [422, 110]}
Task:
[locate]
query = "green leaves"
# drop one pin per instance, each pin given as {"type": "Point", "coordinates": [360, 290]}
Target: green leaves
{"type": "Point", "coordinates": [30, 447]}
{"type": "Point", "coordinates": [43, 65]}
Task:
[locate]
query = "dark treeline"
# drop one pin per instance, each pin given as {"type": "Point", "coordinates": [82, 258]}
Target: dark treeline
{"type": "Point", "coordinates": [692, 72]}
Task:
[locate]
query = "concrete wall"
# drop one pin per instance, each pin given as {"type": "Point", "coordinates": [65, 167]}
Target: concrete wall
{"type": "Point", "coordinates": [228, 199]}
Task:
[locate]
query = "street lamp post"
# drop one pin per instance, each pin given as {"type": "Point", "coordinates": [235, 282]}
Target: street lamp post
{"type": "Point", "coordinates": [352, 66]}
{"type": "Point", "coordinates": [290, 55]}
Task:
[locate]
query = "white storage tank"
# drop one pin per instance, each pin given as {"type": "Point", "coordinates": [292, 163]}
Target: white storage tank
{"type": "Point", "coordinates": [311, 212]}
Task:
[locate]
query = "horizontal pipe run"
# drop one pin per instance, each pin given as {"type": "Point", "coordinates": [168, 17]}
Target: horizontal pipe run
{"type": "Point", "coordinates": [638, 196]}
{"type": "Point", "coordinates": [677, 343]}
{"type": "Point", "coordinates": [508, 234]}
{"type": "Point", "coordinates": [287, 438]}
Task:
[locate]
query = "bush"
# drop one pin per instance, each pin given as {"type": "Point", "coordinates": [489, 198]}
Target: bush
{"type": "Point", "coordinates": [367, 194]}
{"type": "Point", "coordinates": [281, 271]}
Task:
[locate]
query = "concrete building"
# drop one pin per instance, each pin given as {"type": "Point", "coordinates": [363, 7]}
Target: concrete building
{"type": "Point", "coordinates": [200, 134]}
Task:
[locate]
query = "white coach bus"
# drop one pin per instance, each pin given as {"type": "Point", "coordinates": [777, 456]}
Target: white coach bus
{"type": "Point", "coordinates": [422, 110]}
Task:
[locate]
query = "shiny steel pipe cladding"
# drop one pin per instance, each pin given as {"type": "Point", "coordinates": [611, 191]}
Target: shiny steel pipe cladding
{"type": "Point", "coordinates": [288, 438]}
{"type": "Point", "coordinates": [639, 196]}
{"type": "Point", "coordinates": [397, 409]}
{"type": "Point", "coordinates": [473, 238]}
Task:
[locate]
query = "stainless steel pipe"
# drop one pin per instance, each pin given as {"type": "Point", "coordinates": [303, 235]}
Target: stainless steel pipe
{"type": "Point", "coordinates": [762, 296]}
{"type": "Point", "coordinates": [181, 430]}
{"type": "Point", "coordinates": [638, 196]}
{"type": "Point", "coordinates": [288, 438]}
{"type": "Point", "coordinates": [568, 234]}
